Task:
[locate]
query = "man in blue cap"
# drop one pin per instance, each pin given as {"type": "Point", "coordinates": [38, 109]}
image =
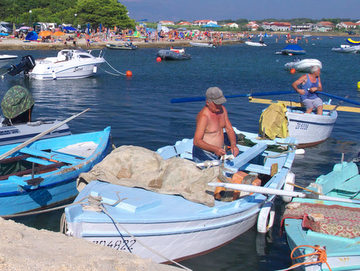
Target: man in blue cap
{"type": "Point", "coordinates": [210, 122]}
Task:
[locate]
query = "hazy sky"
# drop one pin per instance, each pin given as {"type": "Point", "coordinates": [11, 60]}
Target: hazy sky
{"type": "Point", "coordinates": [190, 10]}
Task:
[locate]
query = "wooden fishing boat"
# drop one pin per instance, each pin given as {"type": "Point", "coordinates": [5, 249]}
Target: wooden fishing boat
{"type": "Point", "coordinates": [309, 129]}
{"type": "Point", "coordinates": [43, 173]}
{"type": "Point", "coordinates": [167, 226]}
{"type": "Point", "coordinates": [328, 229]}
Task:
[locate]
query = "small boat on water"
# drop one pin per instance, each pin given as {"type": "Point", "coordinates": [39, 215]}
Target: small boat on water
{"type": "Point", "coordinates": [5, 60]}
{"type": "Point", "coordinates": [68, 64]}
{"type": "Point", "coordinates": [179, 218]}
{"type": "Point", "coordinates": [202, 44]}
{"type": "Point", "coordinates": [345, 48]}
{"type": "Point", "coordinates": [123, 46]}
{"type": "Point", "coordinates": [303, 65]}
{"type": "Point", "coordinates": [257, 44]}
{"type": "Point", "coordinates": [292, 49]}
{"type": "Point", "coordinates": [17, 125]}
{"type": "Point", "coordinates": [44, 173]}
{"type": "Point", "coordinates": [323, 231]}
{"type": "Point", "coordinates": [308, 129]}
{"type": "Point", "coordinates": [173, 54]}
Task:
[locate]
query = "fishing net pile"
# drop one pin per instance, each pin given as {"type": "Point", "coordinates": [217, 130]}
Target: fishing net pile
{"type": "Point", "coordinates": [139, 167]}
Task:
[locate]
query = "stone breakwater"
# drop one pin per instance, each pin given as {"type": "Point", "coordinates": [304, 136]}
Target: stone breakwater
{"type": "Point", "coordinates": [27, 249]}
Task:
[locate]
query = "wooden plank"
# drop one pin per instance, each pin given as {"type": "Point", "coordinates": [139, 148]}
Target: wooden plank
{"type": "Point", "coordinates": [51, 156]}
{"type": "Point", "coordinates": [296, 104]}
{"type": "Point", "coordinates": [14, 159]}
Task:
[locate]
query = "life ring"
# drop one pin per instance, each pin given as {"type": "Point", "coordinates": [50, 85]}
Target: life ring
{"type": "Point", "coordinates": [266, 218]}
{"type": "Point", "coordinates": [288, 186]}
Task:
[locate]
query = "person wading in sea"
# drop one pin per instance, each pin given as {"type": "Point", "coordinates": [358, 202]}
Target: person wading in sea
{"type": "Point", "coordinates": [209, 136]}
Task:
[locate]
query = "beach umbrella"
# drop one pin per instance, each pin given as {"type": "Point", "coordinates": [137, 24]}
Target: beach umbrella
{"type": "Point", "coordinates": [58, 34]}
{"type": "Point", "coordinates": [45, 33]}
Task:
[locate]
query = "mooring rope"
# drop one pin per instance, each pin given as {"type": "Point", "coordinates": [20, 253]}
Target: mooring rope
{"type": "Point", "coordinates": [96, 204]}
{"type": "Point", "coordinates": [118, 72]}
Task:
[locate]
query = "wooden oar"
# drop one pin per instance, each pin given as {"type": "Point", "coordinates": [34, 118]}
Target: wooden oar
{"type": "Point", "coordinates": [279, 192]}
{"type": "Point", "coordinates": [27, 142]}
{"type": "Point", "coordinates": [338, 97]}
{"type": "Point", "coordinates": [201, 98]}
{"type": "Point", "coordinates": [290, 103]}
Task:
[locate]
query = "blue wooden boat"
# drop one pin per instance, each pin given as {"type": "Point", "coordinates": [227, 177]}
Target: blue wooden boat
{"type": "Point", "coordinates": [167, 227]}
{"type": "Point", "coordinates": [43, 173]}
{"type": "Point", "coordinates": [329, 229]}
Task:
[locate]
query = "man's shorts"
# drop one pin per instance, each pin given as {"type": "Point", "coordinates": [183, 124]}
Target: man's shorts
{"type": "Point", "coordinates": [312, 103]}
{"type": "Point", "coordinates": [200, 155]}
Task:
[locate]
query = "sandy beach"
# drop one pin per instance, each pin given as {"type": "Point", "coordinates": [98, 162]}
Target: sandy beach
{"type": "Point", "coordinates": [27, 249]}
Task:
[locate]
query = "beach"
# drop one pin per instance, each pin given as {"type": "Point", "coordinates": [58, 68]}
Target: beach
{"type": "Point", "coordinates": [26, 249]}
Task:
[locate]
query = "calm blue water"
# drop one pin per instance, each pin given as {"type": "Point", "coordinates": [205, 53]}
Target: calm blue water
{"type": "Point", "coordinates": [139, 112]}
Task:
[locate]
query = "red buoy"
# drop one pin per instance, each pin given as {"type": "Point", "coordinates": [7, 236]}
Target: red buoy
{"type": "Point", "coordinates": [128, 73]}
{"type": "Point", "coordinates": [292, 71]}
{"type": "Point", "coordinates": [158, 59]}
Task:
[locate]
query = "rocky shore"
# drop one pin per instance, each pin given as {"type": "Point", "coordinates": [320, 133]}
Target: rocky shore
{"type": "Point", "coordinates": [27, 249]}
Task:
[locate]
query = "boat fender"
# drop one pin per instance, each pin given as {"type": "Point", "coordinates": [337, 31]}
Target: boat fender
{"type": "Point", "coordinates": [266, 218]}
{"type": "Point", "coordinates": [288, 186]}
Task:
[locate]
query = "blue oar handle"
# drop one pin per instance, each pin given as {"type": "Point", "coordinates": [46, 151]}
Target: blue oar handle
{"type": "Point", "coordinates": [339, 98]}
{"type": "Point", "coordinates": [197, 99]}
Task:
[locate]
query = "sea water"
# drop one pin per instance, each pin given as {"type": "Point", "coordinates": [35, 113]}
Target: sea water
{"type": "Point", "coordinates": [140, 113]}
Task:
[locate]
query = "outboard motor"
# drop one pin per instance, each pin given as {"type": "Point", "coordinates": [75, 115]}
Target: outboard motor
{"type": "Point", "coordinates": [26, 64]}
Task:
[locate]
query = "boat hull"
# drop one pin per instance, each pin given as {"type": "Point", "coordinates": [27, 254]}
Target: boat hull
{"type": "Point", "coordinates": [22, 132]}
{"type": "Point", "coordinates": [167, 227]}
{"type": "Point", "coordinates": [337, 230]}
{"type": "Point", "coordinates": [310, 129]}
{"type": "Point", "coordinates": [5, 60]}
{"type": "Point", "coordinates": [19, 196]}
{"type": "Point", "coordinates": [303, 65]}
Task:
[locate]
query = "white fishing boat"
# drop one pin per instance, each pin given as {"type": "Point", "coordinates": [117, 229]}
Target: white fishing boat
{"type": "Point", "coordinates": [253, 43]}
{"type": "Point", "coordinates": [202, 44]}
{"type": "Point", "coordinates": [169, 223]}
{"type": "Point", "coordinates": [5, 60]}
{"type": "Point", "coordinates": [303, 65]}
{"type": "Point", "coordinates": [68, 64]}
{"type": "Point", "coordinates": [283, 118]}
{"type": "Point", "coordinates": [310, 129]}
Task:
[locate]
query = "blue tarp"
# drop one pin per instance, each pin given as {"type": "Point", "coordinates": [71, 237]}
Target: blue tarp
{"type": "Point", "coordinates": [294, 47]}
{"type": "Point", "coordinates": [69, 28]}
{"type": "Point", "coordinates": [211, 25]}
{"type": "Point", "coordinates": [32, 35]}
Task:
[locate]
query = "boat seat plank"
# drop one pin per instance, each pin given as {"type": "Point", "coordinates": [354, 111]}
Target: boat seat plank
{"type": "Point", "coordinates": [243, 158]}
{"type": "Point", "coordinates": [49, 155]}
{"type": "Point", "coordinates": [38, 161]}
{"type": "Point", "coordinates": [352, 185]}
{"type": "Point", "coordinates": [36, 170]}
{"type": "Point", "coordinates": [256, 168]}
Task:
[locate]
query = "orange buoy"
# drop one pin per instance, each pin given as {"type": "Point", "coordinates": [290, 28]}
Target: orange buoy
{"type": "Point", "coordinates": [292, 71]}
{"type": "Point", "coordinates": [158, 59]}
{"type": "Point", "coordinates": [128, 73]}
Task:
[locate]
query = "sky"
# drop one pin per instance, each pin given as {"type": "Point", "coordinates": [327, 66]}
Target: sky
{"type": "Point", "coordinates": [190, 10]}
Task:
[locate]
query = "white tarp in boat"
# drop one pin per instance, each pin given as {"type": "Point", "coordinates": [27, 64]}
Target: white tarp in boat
{"type": "Point", "coordinates": [139, 167]}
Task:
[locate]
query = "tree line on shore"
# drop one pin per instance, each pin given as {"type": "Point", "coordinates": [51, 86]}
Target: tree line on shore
{"type": "Point", "coordinates": [108, 13]}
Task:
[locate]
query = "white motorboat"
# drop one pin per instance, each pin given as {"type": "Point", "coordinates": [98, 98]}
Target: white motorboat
{"type": "Point", "coordinates": [202, 44]}
{"type": "Point", "coordinates": [303, 65]}
{"type": "Point", "coordinates": [345, 48]}
{"type": "Point", "coordinates": [68, 64]}
{"type": "Point", "coordinates": [6, 60]}
{"type": "Point", "coordinates": [258, 44]}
